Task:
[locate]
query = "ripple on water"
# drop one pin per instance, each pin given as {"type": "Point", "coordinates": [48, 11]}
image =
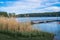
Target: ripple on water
{"type": "Point", "coordinates": [53, 27]}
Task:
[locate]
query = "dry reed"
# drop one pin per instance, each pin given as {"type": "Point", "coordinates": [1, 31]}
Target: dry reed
{"type": "Point", "coordinates": [11, 24]}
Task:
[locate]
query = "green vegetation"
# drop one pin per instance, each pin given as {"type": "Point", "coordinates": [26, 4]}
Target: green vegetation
{"type": "Point", "coordinates": [4, 14]}
{"type": "Point", "coordinates": [10, 29]}
{"type": "Point", "coordinates": [33, 35]}
{"type": "Point", "coordinates": [13, 30]}
{"type": "Point", "coordinates": [11, 14]}
{"type": "Point", "coordinates": [48, 14]}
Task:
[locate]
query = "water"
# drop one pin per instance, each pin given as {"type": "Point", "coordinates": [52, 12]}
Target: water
{"type": "Point", "coordinates": [47, 27]}
{"type": "Point", "coordinates": [23, 19]}
{"type": "Point", "coordinates": [53, 27]}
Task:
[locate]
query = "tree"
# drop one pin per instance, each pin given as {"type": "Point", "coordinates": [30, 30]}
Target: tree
{"type": "Point", "coordinates": [4, 14]}
{"type": "Point", "coordinates": [11, 14]}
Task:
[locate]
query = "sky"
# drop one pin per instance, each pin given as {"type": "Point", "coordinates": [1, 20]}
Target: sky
{"type": "Point", "coordinates": [29, 6]}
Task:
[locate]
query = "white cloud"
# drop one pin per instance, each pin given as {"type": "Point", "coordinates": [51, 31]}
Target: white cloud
{"type": "Point", "coordinates": [27, 6]}
{"type": "Point", "coordinates": [51, 9]}
{"type": "Point", "coordinates": [21, 6]}
{"type": "Point", "coordinates": [33, 0]}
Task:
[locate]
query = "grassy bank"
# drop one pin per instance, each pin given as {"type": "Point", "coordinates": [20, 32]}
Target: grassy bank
{"type": "Point", "coordinates": [10, 29]}
{"type": "Point", "coordinates": [34, 35]}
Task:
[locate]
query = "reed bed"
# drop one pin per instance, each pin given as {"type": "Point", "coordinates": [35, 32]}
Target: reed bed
{"type": "Point", "coordinates": [21, 31]}
{"type": "Point", "coordinates": [10, 24]}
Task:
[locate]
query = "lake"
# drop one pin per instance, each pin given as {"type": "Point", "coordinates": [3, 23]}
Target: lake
{"type": "Point", "coordinates": [53, 27]}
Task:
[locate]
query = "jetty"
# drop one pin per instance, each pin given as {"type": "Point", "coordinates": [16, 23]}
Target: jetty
{"type": "Point", "coordinates": [43, 21]}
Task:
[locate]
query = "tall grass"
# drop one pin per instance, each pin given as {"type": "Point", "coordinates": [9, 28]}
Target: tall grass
{"type": "Point", "coordinates": [10, 24]}
{"type": "Point", "coordinates": [21, 31]}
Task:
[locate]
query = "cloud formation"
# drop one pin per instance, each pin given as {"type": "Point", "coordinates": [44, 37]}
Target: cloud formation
{"type": "Point", "coordinates": [30, 6]}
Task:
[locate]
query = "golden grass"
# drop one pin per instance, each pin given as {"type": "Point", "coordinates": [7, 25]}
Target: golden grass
{"type": "Point", "coordinates": [11, 24]}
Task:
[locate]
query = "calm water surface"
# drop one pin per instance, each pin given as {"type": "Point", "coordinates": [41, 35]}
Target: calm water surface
{"type": "Point", "coordinates": [53, 27]}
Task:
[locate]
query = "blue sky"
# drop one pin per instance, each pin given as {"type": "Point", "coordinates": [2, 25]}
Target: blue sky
{"type": "Point", "coordinates": [29, 6]}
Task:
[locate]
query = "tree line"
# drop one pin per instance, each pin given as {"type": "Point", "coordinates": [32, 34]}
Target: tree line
{"type": "Point", "coordinates": [5, 14]}
{"type": "Point", "coordinates": [47, 14]}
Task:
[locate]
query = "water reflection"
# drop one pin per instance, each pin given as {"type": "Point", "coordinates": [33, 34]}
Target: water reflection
{"type": "Point", "coordinates": [52, 27]}
{"type": "Point", "coordinates": [47, 27]}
